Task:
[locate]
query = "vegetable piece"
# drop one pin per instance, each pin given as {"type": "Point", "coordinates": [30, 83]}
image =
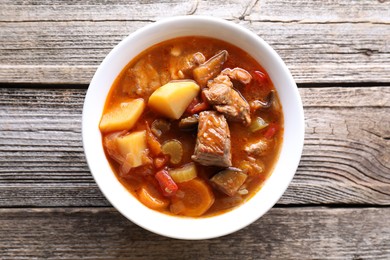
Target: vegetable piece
{"type": "Point", "coordinates": [161, 162]}
{"type": "Point", "coordinates": [271, 131]}
{"type": "Point", "coordinates": [243, 191]}
{"type": "Point", "coordinates": [210, 69]}
{"type": "Point", "coordinates": [184, 173]}
{"type": "Point", "coordinates": [257, 104]}
{"type": "Point", "coordinates": [133, 147]}
{"type": "Point", "coordinates": [197, 106]}
{"type": "Point", "coordinates": [177, 207]}
{"type": "Point", "coordinates": [110, 143]}
{"type": "Point", "coordinates": [122, 117]}
{"type": "Point", "coordinates": [245, 166]}
{"type": "Point", "coordinates": [257, 124]}
{"type": "Point", "coordinates": [193, 103]}
{"type": "Point", "coordinates": [172, 99]}
{"type": "Point", "coordinates": [176, 51]}
{"type": "Point", "coordinates": [174, 149]}
{"type": "Point", "coordinates": [202, 106]}
{"type": "Point", "coordinates": [229, 181]}
{"type": "Point", "coordinates": [151, 198]}
{"type": "Point", "coordinates": [230, 202]}
{"type": "Point", "coordinates": [160, 126]}
{"type": "Point", "coordinates": [168, 186]}
{"type": "Point", "coordinates": [189, 122]}
{"type": "Point", "coordinates": [197, 199]}
{"type": "Point", "coordinates": [153, 144]}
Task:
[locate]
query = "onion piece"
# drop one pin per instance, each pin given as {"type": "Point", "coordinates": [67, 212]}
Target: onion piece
{"type": "Point", "coordinates": [112, 148]}
{"type": "Point", "coordinates": [257, 124]}
{"type": "Point", "coordinates": [177, 207]}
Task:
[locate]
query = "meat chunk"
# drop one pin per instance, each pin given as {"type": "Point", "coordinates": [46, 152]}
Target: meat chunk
{"type": "Point", "coordinates": [238, 74]}
{"type": "Point", "coordinates": [252, 166]}
{"type": "Point", "coordinates": [258, 148]}
{"type": "Point", "coordinates": [146, 78]}
{"type": "Point", "coordinates": [213, 141]}
{"type": "Point", "coordinates": [197, 59]}
{"type": "Point", "coordinates": [181, 66]}
{"type": "Point", "coordinates": [210, 69]}
{"type": "Point", "coordinates": [226, 100]}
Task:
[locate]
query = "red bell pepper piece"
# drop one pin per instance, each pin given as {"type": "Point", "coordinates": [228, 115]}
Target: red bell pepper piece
{"type": "Point", "coordinates": [197, 106]}
{"type": "Point", "coordinates": [271, 130]}
{"type": "Point", "coordinates": [191, 106]}
{"type": "Point", "coordinates": [167, 185]}
{"type": "Point", "coordinates": [200, 107]}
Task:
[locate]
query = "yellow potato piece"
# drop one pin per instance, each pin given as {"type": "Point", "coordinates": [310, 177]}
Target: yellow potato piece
{"type": "Point", "coordinates": [172, 99]}
{"type": "Point", "coordinates": [123, 116]}
{"type": "Point", "coordinates": [133, 147]}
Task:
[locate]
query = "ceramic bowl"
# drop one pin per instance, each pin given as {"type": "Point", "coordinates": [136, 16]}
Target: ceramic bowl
{"type": "Point", "coordinates": [183, 227]}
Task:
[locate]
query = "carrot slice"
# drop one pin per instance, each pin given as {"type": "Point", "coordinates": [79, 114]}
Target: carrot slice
{"type": "Point", "coordinates": [151, 198]}
{"type": "Point", "coordinates": [195, 198]}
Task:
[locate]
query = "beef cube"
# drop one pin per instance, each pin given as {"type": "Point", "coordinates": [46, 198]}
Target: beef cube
{"type": "Point", "coordinates": [213, 141]}
{"type": "Point", "coordinates": [226, 100]}
{"type": "Point", "coordinates": [258, 148]}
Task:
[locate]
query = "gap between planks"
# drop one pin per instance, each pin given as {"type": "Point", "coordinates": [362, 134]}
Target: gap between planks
{"type": "Point", "coordinates": [368, 84]}
{"type": "Point", "coordinates": [344, 159]}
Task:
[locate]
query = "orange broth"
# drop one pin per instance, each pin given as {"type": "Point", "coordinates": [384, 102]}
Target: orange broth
{"type": "Point", "coordinates": [160, 58]}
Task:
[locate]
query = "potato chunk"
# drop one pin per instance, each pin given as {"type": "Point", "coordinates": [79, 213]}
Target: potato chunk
{"type": "Point", "coordinates": [122, 117]}
{"type": "Point", "coordinates": [172, 99]}
{"type": "Point", "coordinates": [133, 147]}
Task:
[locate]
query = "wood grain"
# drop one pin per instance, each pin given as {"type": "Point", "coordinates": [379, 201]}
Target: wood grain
{"type": "Point", "coordinates": [264, 10]}
{"type": "Point", "coordinates": [289, 233]}
{"type": "Point", "coordinates": [346, 157]}
{"type": "Point", "coordinates": [337, 206]}
{"type": "Point", "coordinates": [64, 42]}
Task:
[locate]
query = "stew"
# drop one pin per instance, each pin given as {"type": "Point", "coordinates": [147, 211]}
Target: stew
{"type": "Point", "coordinates": [192, 126]}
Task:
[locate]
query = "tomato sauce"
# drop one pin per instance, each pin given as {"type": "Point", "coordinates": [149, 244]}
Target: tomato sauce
{"type": "Point", "coordinates": [166, 61]}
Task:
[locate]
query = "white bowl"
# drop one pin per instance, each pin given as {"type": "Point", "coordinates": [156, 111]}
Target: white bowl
{"type": "Point", "coordinates": [182, 227]}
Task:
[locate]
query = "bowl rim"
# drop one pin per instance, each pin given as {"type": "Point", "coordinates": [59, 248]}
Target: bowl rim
{"type": "Point", "coordinates": [182, 227]}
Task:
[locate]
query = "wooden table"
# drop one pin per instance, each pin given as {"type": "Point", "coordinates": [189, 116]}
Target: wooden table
{"type": "Point", "coordinates": [338, 205]}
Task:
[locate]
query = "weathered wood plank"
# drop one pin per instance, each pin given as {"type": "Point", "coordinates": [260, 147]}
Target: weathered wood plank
{"type": "Point", "coordinates": [338, 11]}
{"type": "Point", "coordinates": [346, 157]}
{"type": "Point", "coordinates": [64, 41]}
{"type": "Point", "coordinates": [117, 10]}
{"type": "Point", "coordinates": [69, 52]}
{"type": "Point", "coordinates": [283, 233]}
{"type": "Point", "coordinates": [286, 10]}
